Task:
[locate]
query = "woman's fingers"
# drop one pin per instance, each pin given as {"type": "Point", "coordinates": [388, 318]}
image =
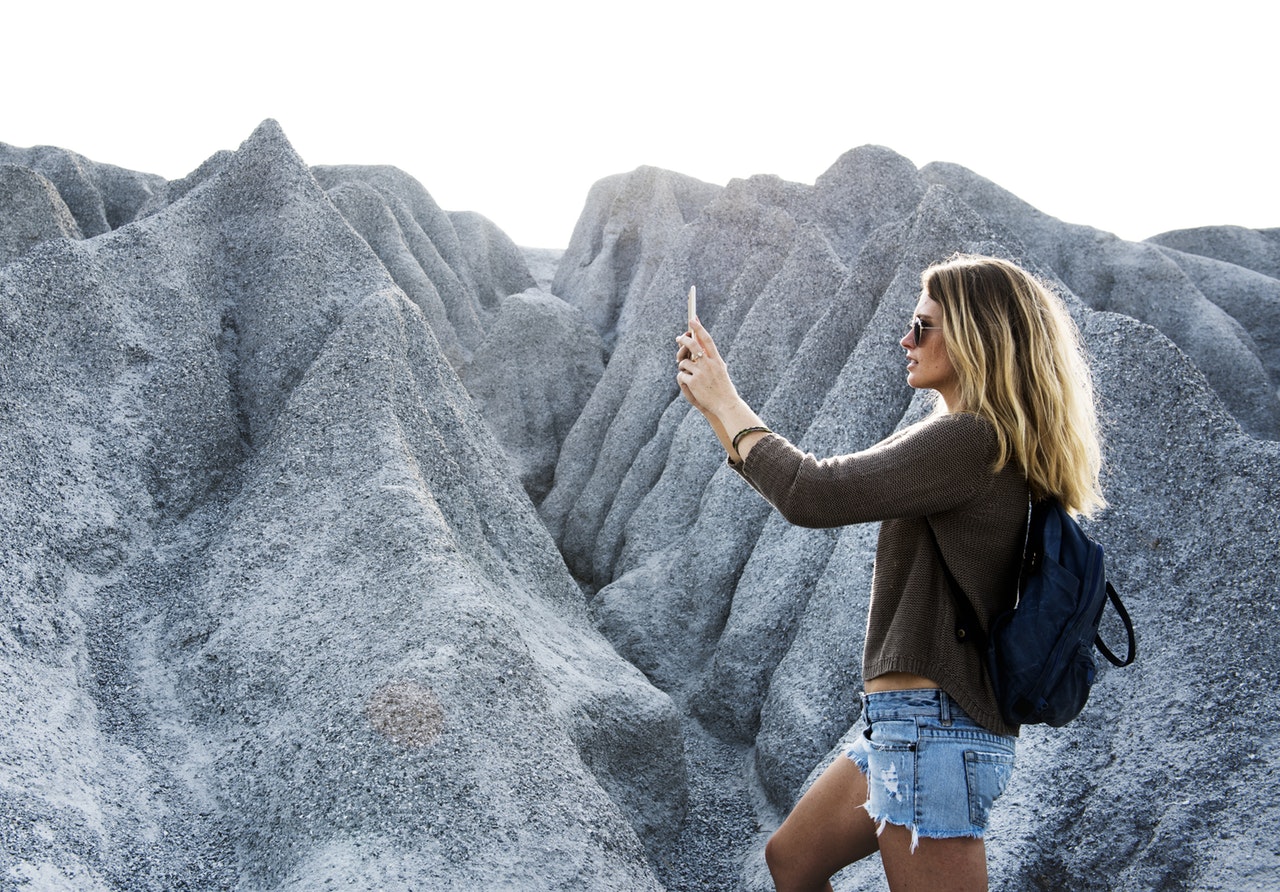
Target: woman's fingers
{"type": "Point", "coordinates": [684, 377]}
{"type": "Point", "coordinates": [687, 355]}
{"type": "Point", "coordinates": [703, 338]}
{"type": "Point", "coordinates": [684, 350]}
{"type": "Point", "coordinates": [689, 348]}
{"type": "Point", "coordinates": [696, 346]}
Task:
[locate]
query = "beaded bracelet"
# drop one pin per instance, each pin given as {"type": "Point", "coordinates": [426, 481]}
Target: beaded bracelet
{"type": "Point", "coordinates": [737, 438]}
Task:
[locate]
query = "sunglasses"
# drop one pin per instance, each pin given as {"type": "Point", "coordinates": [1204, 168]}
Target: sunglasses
{"type": "Point", "coordinates": [918, 329]}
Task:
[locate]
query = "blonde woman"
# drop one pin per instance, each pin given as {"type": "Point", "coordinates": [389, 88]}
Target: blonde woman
{"type": "Point", "coordinates": [1015, 420]}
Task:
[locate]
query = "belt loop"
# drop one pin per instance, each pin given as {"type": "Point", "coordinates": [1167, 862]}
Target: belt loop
{"type": "Point", "coordinates": [945, 703]}
{"type": "Point", "coordinates": [862, 695]}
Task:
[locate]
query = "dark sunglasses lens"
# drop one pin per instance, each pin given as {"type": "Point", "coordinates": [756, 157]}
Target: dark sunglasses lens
{"type": "Point", "coordinates": [917, 329]}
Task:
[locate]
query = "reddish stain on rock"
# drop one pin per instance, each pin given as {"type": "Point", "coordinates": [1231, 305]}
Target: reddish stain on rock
{"type": "Point", "coordinates": [406, 712]}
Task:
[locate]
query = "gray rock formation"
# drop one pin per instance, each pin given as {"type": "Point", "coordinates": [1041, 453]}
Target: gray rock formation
{"type": "Point", "coordinates": [99, 196]}
{"type": "Point", "coordinates": [31, 212]}
{"type": "Point", "coordinates": [755, 627]}
{"type": "Point", "coordinates": [623, 232]}
{"type": "Point", "coordinates": [539, 362]}
{"type": "Point", "coordinates": [1145, 282]}
{"type": "Point", "coordinates": [1255, 249]}
{"type": "Point", "coordinates": [278, 611]}
{"type": "Point", "coordinates": [454, 277]}
{"type": "Point", "coordinates": [542, 263]}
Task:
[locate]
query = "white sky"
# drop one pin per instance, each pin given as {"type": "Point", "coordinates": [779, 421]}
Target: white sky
{"type": "Point", "coordinates": [1134, 117]}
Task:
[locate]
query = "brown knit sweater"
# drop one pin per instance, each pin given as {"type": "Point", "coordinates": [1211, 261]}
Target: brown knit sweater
{"type": "Point", "coordinates": [939, 469]}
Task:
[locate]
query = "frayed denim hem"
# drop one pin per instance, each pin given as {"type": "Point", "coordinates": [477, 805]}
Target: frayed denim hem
{"type": "Point", "coordinates": [883, 822]}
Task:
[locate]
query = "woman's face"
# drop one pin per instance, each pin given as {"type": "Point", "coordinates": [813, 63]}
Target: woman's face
{"type": "Point", "coordinates": [929, 365]}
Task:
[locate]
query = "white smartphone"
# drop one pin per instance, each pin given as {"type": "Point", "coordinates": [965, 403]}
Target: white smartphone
{"type": "Point", "coordinates": [693, 305]}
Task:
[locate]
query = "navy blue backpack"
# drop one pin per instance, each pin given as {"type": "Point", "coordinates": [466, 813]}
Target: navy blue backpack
{"type": "Point", "coordinates": [1040, 653]}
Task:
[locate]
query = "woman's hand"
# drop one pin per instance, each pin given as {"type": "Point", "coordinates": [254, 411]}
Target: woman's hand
{"type": "Point", "coordinates": [704, 380]}
{"type": "Point", "coordinates": [702, 373]}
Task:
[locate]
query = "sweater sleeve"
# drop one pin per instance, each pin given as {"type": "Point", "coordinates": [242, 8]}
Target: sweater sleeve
{"type": "Point", "coordinates": [928, 468]}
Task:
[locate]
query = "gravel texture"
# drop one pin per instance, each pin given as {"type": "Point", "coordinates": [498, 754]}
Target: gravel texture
{"type": "Point", "coordinates": [343, 543]}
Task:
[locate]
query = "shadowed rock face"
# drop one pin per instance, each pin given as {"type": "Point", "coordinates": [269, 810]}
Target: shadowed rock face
{"type": "Point", "coordinates": [278, 610]}
{"type": "Point", "coordinates": [623, 233]}
{"type": "Point", "coordinates": [539, 362]}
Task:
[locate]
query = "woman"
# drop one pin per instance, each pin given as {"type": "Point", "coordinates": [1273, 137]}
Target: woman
{"type": "Point", "coordinates": [1015, 420]}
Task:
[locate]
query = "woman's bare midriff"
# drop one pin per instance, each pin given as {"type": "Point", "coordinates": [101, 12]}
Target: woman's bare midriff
{"type": "Point", "coordinates": [898, 681]}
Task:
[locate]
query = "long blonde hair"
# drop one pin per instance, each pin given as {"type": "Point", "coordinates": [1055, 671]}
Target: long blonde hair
{"type": "Point", "coordinates": [1020, 365]}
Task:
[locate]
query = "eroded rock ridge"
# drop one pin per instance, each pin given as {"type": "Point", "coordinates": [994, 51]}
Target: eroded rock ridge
{"type": "Point", "coordinates": [336, 550]}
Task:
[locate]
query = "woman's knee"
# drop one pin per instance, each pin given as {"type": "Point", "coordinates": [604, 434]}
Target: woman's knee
{"type": "Point", "coordinates": [775, 852]}
{"type": "Point", "coordinates": [791, 862]}
{"type": "Point", "coordinates": [782, 854]}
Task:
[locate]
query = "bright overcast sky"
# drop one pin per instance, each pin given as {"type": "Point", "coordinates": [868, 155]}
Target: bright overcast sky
{"type": "Point", "coordinates": [1134, 117]}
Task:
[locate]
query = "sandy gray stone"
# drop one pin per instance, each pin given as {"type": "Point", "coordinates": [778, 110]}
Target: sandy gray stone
{"type": "Point", "coordinates": [276, 612]}
{"type": "Point", "coordinates": [101, 197]}
{"type": "Point", "coordinates": [730, 252]}
{"type": "Point", "coordinates": [542, 263]}
{"type": "Point", "coordinates": [31, 212]}
{"type": "Point", "coordinates": [866, 188]}
{"type": "Point", "coordinates": [1140, 280]}
{"type": "Point", "coordinates": [757, 626]}
{"type": "Point", "coordinates": [1255, 249]}
{"type": "Point", "coordinates": [498, 267]}
{"type": "Point", "coordinates": [530, 378]}
{"type": "Point", "coordinates": [369, 214]}
{"type": "Point", "coordinates": [1251, 300]}
{"type": "Point", "coordinates": [416, 242]}
{"type": "Point", "coordinates": [619, 239]}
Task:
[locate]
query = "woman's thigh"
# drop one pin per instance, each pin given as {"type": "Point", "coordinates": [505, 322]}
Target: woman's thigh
{"type": "Point", "coordinates": [958, 864]}
{"type": "Point", "coordinates": [828, 829]}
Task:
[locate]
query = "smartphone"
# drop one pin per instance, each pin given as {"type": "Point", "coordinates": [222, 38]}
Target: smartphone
{"type": "Point", "coordinates": [693, 305]}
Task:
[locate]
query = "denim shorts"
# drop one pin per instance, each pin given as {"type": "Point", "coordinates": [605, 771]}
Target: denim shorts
{"type": "Point", "coordinates": [929, 767]}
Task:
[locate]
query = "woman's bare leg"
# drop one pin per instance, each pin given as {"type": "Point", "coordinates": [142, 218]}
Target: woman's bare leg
{"type": "Point", "coordinates": [937, 865]}
{"type": "Point", "coordinates": [828, 829]}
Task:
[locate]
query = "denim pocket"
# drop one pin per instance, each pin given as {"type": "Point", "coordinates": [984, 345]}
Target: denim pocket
{"type": "Point", "coordinates": [891, 761]}
{"type": "Point", "coordinates": [892, 735]}
{"type": "Point", "coordinates": [987, 774]}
